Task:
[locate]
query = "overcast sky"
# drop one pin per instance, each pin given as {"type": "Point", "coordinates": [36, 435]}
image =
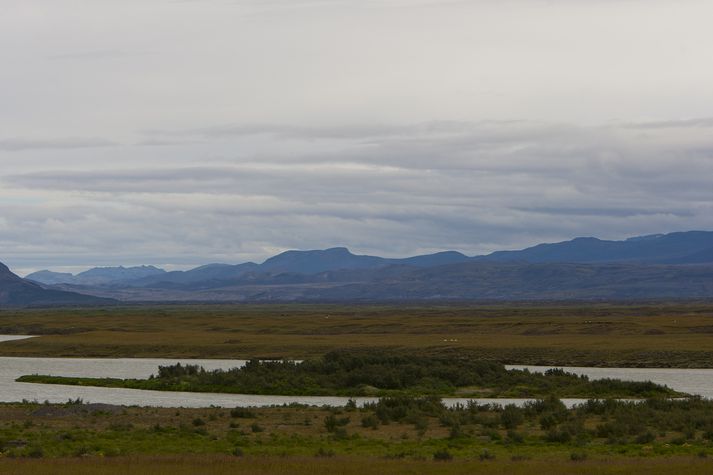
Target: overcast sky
{"type": "Point", "coordinates": [178, 133]}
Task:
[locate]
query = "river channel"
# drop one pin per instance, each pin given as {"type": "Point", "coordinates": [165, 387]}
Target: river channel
{"type": "Point", "coordinates": [693, 381]}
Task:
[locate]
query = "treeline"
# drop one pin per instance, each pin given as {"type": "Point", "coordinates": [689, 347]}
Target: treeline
{"type": "Point", "coordinates": [353, 373]}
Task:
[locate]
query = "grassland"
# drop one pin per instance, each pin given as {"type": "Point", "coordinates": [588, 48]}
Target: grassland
{"type": "Point", "coordinates": [397, 437]}
{"type": "Point", "coordinates": [661, 335]}
{"type": "Point", "coordinates": [78, 438]}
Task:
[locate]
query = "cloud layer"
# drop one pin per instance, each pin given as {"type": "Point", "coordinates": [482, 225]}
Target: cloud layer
{"type": "Point", "coordinates": [474, 187]}
{"type": "Point", "coordinates": [180, 133]}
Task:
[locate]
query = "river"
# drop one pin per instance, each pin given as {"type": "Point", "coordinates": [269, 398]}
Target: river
{"type": "Point", "coordinates": [694, 381]}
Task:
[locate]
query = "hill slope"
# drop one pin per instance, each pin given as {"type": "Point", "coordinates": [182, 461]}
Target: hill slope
{"type": "Point", "coordinates": [15, 291]}
{"type": "Point", "coordinates": [96, 276]}
{"type": "Point", "coordinates": [691, 247]}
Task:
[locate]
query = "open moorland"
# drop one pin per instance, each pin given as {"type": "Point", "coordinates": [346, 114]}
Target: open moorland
{"type": "Point", "coordinates": [395, 435]}
{"type": "Point", "coordinates": [654, 335]}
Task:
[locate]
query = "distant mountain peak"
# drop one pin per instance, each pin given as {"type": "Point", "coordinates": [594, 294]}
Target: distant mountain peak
{"type": "Point", "coordinates": [96, 275]}
{"type": "Point", "coordinates": [15, 291]}
{"type": "Point", "coordinates": [647, 237]}
{"type": "Point", "coordinates": [673, 248]}
{"type": "Point", "coordinates": [296, 273]}
{"type": "Point", "coordinates": [339, 250]}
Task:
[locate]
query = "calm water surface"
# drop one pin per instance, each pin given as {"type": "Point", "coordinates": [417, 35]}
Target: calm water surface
{"type": "Point", "coordinates": [14, 337]}
{"type": "Point", "coordinates": [692, 381]}
{"type": "Point", "coordinates": [13, 367]}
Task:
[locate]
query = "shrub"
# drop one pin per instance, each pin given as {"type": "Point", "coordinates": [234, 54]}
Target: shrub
{"type": "Point", "coordinates": [511, 417]}
{"type": "Point", "coordinates": [242, 413]}
{"type": "Point", "coordinates": [370, 421]}
{"type": "Point", "coordinates": [442, 455]}
{"type": "Point", "coordinates": [515, 437]}
{"type": "Point", "coordinates": [485, 454]}
{"type": "Point", "coordinates": [322, 452]}
{"type": "Point", "coordinates": [558, 436]}
{"type": "Point", "coordinates": [330, 423]}
{"type": "Point", "coordinates": [35, 452]}
{"type": "Point", "coordinates": [456, 431]}
{"type": "Point", "coordinates": [645, 438]}
{"type": "Point", "coordinates": [341, 433]}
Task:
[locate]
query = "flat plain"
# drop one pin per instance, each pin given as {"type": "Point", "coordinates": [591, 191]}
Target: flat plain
{"type": "Point", "coordinates": [646, 335]}
{"type": "Point", "coordinates": [43, 439]}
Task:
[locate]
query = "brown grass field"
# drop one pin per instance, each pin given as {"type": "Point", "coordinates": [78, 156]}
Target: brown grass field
{"type": "Point", "coordinates": [677, 335]}
{"type": "Point", "coordinates": [346, 465]}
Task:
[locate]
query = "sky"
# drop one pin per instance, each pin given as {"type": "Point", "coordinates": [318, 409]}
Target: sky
{"type": "Point", "coordinates": [179, 132]}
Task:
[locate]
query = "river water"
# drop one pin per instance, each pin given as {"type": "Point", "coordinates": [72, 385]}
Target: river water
{"type": "Point", "coordinates": [694, 381]}
{"type": "Point", "coordinates": [691, 381]}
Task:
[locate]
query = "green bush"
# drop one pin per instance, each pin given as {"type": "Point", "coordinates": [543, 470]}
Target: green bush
{"type": "Point", "coordinates": [511, 417]}
{"type": "Point", "coordinates": [442, 455]}
{"type": "Point", "coordinates": [242, 413]}
{"type": "Point", "coordinates": [485, 454]}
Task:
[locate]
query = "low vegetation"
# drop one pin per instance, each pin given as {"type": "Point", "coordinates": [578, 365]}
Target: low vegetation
{"type": "Point", "coordinates": [645, 335]}
{"type": "Point", "coordinates": [353, 373]}
{"type": "Point", "coordinates": [396, 353]}
{"type": "Point", "coordinates": [399, 434]}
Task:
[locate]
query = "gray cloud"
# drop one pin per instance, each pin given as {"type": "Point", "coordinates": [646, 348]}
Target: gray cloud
{"type": "Point", "coordinates": [188, 132]}
{"type": "Point", "coordinates": [18, 145]}
{"type": "Point", "coordinates": [474, 187]}
{"type": "Point", "coordinates": [701, 122]}
{"type": "Point", "coordinates": [95, 54]}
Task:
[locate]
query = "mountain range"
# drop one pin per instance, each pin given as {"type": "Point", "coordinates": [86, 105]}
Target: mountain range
{"type": "Point", "coordinates": [675, 265]}
{"type": "Point", "coordinates": [15, 291]}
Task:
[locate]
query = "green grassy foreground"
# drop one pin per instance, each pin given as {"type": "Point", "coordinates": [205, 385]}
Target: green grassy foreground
{"type": "Point", "coordinates": [654, 335]}
{"type": "Point", "coordinates": [396, 435]}
{"type": "Point", "coordinates": [354, 373]}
